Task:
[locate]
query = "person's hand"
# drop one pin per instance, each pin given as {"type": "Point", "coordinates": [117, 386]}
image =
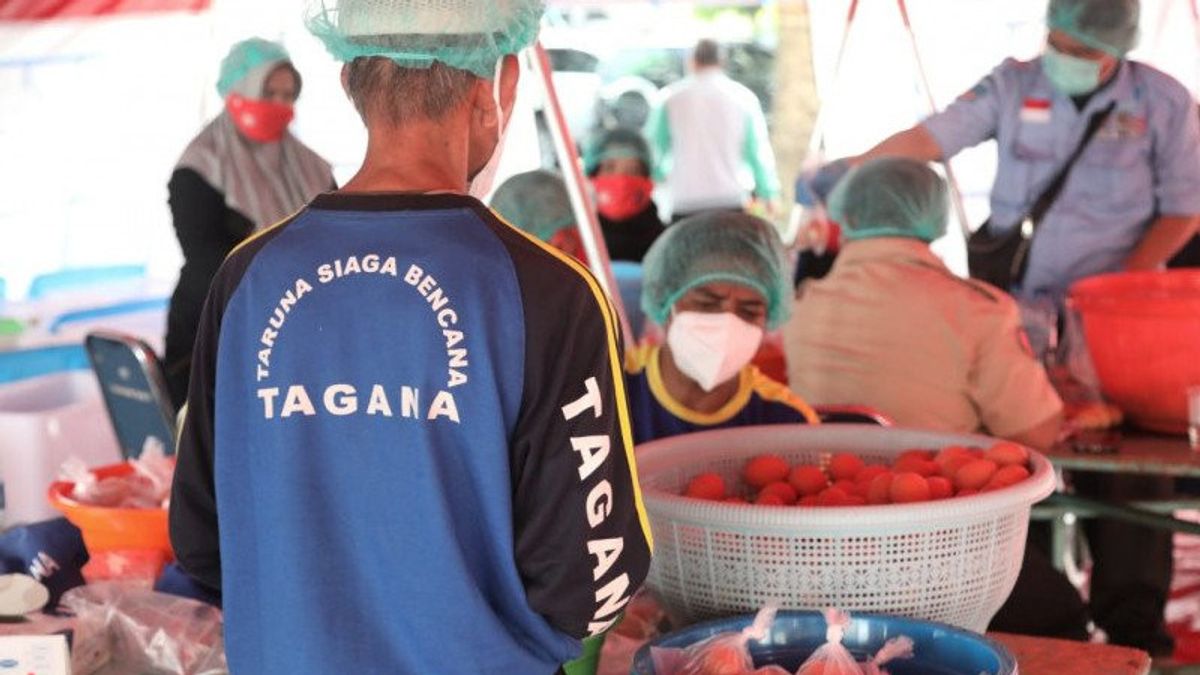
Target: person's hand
{"type": "Point", "coordinates": [827, 177]}
{"type": "Point", "coordinates": [773, 208]}
{"type": "Point", "coordinates": [769, 210]}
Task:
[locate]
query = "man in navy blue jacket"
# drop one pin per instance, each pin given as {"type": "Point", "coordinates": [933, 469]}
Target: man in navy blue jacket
{"type": "Point", "coordinates": [406, 446]}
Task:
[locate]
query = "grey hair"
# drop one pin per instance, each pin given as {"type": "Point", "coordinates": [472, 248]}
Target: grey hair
{"type": "Point", "coordinates": [378, 85]}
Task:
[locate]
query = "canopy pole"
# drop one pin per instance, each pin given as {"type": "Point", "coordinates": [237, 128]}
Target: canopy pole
{"type": "Point", "coordinates": [581, 201]}
{"type": "Point", "coordinates": [955, 191]}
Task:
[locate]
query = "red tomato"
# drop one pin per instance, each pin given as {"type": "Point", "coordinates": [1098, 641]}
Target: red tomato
{"type": "Point", "coordinates": [880, 490]}
{"type": "Point", "coordinates": [847, 486]}
{"type": "Point", "coordinates": [833, 497]}
{"type": "Point", "coordinates": [923, 455]}
{"type": "Point", "coordinates": [1006, 476]}
{"type": "Point", "coordinates": [1007, 453]}
{"type": "Point", "coordinates": [852, 489]}
{"type": "Point", "coordinates": [763, 470]}
{"type": "Point", "coordinates": [844, 466]}
{"type": "Point", "coordinates": [923, 467]}
{"type": "Point", "coordinates": [706, 486]}
{"type": "Point", "coordinates": [783, 490]}
{"type": "Point", "coordinates": [940, 488]}
{"type": "Point", "coordinates": [975, 474]}
{"type": "Point", "coordinates": [722, 660]}
{"type": "Point", "coordinates": [948, 468]}
{"type": "Point", "coordinates": [769, 499]}
{"type": "Point", "coordinates": [808, 479]}
{"type": "Point", "coordinates": [814, 668]}
{"type": "Point", "coordinates": [953, 452]}
{"type": "Point", "coordinates": [908, 488]}
{"type": "Point", "coordinates": [869, 472]}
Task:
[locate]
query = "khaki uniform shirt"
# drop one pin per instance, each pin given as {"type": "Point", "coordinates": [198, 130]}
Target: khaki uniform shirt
{"type": "Point", "coordinates": [893, 329]}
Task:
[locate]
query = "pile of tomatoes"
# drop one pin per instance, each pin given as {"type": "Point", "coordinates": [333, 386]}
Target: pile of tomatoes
{"type": "Point", "coordinates": [847, 480]}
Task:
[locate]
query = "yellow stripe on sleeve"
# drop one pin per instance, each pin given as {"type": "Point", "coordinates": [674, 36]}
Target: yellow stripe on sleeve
{"type": "Point", "coordinates": [264, 231]}
{"type": "Point", "coordinates": [180, 418]}
{"type": "Point", "coordinates": [614, 362]}
{"type": "Point", "coordinates": [770, 390]}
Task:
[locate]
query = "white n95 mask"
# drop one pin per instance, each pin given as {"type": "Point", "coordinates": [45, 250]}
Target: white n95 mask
{"type": "Point", "coordinates": [712, 348]}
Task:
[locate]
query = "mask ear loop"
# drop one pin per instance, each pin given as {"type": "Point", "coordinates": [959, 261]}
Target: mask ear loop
{"type": "Point", "coordinates": [502, 120]}
{"type": "Point", "coordinates": [481, 185]}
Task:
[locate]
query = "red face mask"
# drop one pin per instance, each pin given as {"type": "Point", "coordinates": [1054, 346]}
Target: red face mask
{"type": "Point", "coordinates": [262, 121]}
{"type": "Point", "coordinates": [568, 241]}
{"type": "Point", "coordinates": [622, 196]}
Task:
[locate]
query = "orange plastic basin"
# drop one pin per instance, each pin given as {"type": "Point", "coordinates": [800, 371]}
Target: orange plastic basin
{"type": "Point", "coordinates": [112, 529]}
{"type": "Point", "coordinates": [1143, 331]}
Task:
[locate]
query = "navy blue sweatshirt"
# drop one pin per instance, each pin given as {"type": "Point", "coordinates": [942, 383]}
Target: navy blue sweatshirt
{"type": "Point", "coordinates": [406, 447]}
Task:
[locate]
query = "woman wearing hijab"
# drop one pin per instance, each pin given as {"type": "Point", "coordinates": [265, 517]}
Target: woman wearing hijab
{"type": "Point", "coordinates": [241, 174]}
{"type": "Point", "coordinates": [618, 164]}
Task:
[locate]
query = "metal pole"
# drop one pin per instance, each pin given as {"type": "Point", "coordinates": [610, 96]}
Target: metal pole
{"type": "Point", "coordinates": [955, 191]}
{"type": "Point", "coordinates": [581, 201]}
{"type": "Point", "coordinates": [1125, 513]}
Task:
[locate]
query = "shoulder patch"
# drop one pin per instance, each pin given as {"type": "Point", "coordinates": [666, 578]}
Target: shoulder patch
{"type": "Point", "coordinates": [975, 93]}
{"type": "Point", "coordinates": [637, 358]}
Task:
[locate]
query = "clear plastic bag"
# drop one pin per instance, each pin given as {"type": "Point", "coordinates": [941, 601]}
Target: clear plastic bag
{"type": "Point", "coordinates": [641, 623]}
{"type": "Point", "coordinates": [832, 658]}
{"type": "Point", "coordinates": [132, 567]}
{"type": "Point", "coordinates": [148, 487]}
{"type": "Point", "coordinates": [1075, 355]}
{"type": "Point", "coordinates": [121, 629]}
{"type": "Point", "coordinates": [896, 648]}
{"type": "Point", "coordinates": [89, 489]}
{"type": "Point", "coordinates": [724, 654]}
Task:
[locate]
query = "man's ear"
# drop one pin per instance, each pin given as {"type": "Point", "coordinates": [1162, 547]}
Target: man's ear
{"type": "Point", "coordinates": [484, 114]}
{"type": "Point", "coordinates": [1108, 67]}
{"type": "Point", "coordinates": [510, 76]}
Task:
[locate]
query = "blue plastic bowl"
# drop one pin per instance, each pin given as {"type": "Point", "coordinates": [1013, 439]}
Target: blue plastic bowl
{"type": "Point", "coordinates": [939, 649]}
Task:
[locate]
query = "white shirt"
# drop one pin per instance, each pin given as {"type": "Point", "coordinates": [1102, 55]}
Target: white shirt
{"type": "Point", "coordinates": [706, 133]}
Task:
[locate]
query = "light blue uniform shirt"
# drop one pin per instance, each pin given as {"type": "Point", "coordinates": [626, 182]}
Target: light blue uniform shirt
{"type": "Point", "coordinates": [1144, 162]}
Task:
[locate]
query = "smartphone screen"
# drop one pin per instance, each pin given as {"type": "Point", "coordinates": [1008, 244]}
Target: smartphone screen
{"type": "Point", "coordinates": [134, 392]}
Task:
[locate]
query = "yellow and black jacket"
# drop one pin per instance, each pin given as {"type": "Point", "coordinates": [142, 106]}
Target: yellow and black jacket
{"type": "Point", "coordinates": [656, 414]}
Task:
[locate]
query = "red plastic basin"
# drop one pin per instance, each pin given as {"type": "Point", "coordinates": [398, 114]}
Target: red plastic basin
{"type": "Point", "coordinates": [1143, 330]}
{"type": "Point", "coordinates": [113, 529]}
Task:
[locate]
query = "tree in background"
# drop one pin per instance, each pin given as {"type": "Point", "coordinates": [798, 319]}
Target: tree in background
{"type": "Point", "coordinates": [794, 110]}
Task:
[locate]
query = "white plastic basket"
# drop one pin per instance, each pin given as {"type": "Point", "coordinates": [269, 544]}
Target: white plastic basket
{"type": "Point", "coordinates": [953, 561]}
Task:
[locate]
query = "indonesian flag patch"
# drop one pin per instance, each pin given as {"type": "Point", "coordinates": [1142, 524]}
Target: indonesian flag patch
{"type": "Point", "coordinates": [1036, 110]}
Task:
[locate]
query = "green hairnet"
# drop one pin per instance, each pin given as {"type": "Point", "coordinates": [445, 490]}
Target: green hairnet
{"type": "Point", "coordinates": [1108, 25]}
{"type": "Point", "coordinates": [716, 246]}
{"type": "Point", "coordinates": [615, 144]}
{"type": "Point", "coordinates": [891, 197]}
{"type": "Point", "coordinates": [536, 201]}
{"type": "Point", "coordinates": [471, 35]}
{"type": "Point", "coordinates": [244, 57]}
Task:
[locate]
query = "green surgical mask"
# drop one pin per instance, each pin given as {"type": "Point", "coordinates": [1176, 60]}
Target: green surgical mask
{"type": "Point", "coordinates": [1071, 75]}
